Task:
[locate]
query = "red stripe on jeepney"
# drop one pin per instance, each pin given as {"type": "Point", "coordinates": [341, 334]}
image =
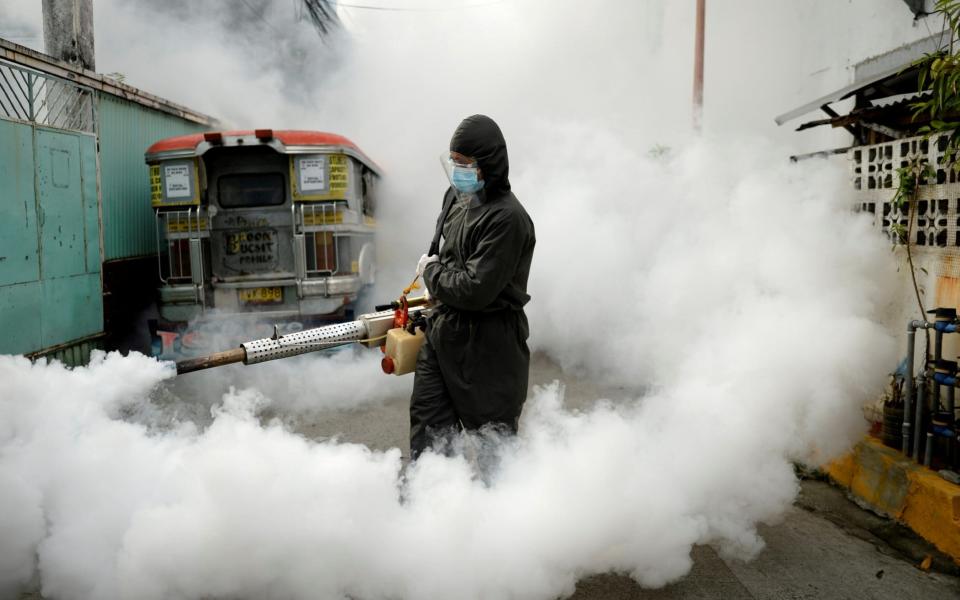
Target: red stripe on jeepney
{"type": "Point", "coordinates": [286, 137]}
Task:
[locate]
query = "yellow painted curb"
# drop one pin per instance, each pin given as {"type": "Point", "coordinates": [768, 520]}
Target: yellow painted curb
{"type": "Point", "coordinates": [841, 470]}
{"type": "Point", "coordinates": [892, 484]}
{"type": "Point", "coordinates": [933, 510]}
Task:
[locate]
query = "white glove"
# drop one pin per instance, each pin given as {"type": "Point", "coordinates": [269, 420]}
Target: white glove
{"type": "Point", "coordinates": [424, 261]}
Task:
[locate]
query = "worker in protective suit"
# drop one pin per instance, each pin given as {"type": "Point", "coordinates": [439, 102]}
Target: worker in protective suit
{"type": "Point", "coordinates": [473, 367]}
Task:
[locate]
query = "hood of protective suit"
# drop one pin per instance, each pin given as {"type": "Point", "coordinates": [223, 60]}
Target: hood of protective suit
{"type": "Point", "coordinates": [479, 137]}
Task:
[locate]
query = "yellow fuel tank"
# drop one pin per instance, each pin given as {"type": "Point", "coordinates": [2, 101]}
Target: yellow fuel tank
{"type": "Point", "coordinates": [401, 351]}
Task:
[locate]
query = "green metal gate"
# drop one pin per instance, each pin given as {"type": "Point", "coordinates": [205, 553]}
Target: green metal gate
{"type": "Point", "coordinates": [50, 289]}
{"type": "Point", "coordinates": [51, 295]}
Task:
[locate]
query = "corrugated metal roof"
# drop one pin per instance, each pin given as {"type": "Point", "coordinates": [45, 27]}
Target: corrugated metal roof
{"type": "Point", "coordinates": [898, 57]}
{"type": "Point", "coordinates": [842, 93]}
{"type": "Point", "coordinates": [880, 109]}
{"type": "Point", "coordinates": [26, 57]}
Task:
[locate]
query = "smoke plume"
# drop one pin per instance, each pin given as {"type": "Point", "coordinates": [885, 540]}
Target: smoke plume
{"type": "Point", "coordinates": [733, 292]}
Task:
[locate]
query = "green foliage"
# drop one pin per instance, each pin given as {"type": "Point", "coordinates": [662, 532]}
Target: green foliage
{"type": "Point", "coordinates": [914, 174]}
{"type": "Point", "coordinates": [911, 176]}
{"type": "Point", "coordinates": [939, 80]}
{"type": "Point", "coordinates": [900, 233]}
{"type": "Point", "coordinates": [939, 83]}
{"type": "Point", "coordinates": [659, 152]}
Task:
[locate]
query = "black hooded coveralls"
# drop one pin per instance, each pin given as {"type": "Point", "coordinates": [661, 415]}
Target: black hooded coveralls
{"type": "Point", "coordinates": [473, 367]}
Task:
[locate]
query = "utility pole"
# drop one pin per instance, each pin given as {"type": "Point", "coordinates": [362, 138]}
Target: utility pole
{"type": "Point", "coordinates": [698, 67]}
{"type": "Point", "coordinates": [68, 31]}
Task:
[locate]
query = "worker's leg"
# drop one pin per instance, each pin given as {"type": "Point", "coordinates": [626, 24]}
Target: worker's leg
{"type": "Point", "coordinates": [489, 385]}
{"type": "Point", "coordinates": [431, 412]}
{"type": "Point", "coordinates": [493, 391]}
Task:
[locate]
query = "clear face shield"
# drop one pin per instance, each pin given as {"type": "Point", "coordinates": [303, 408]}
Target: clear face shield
{"type": "Point", "coordinates": [464, 175]}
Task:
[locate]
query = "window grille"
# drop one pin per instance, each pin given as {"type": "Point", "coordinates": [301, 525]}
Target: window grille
{"type": "Point", "coordinates": [936, 216]}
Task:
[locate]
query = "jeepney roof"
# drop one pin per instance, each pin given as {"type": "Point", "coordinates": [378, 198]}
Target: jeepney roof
{"type": "Point", "coordinates": [284, 141]}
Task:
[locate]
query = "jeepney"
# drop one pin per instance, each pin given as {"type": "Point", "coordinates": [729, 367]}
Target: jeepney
{"type": "Point", "coordinates": [258, 232]}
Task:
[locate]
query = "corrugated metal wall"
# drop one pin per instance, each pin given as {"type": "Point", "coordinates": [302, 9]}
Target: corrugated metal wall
{"type": "Point", "coordinates": [126, 131]}
{"type": "Point", "coordinates": [73, 355]}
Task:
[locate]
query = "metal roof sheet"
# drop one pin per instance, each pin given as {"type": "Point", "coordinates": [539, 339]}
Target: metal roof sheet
{"type": "Point", "coordinates": [841, 94]}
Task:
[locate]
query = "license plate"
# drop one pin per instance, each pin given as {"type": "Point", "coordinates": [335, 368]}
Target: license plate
{"type": "Point", "coordinates": [263, 295]}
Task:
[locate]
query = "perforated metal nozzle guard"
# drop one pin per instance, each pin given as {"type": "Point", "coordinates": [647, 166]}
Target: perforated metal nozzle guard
{"type": "Point", "coordinates": [304, 342]}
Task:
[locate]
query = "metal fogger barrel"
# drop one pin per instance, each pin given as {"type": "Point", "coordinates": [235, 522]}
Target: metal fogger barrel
{"type": "Point", "coordinates": [369, 329]}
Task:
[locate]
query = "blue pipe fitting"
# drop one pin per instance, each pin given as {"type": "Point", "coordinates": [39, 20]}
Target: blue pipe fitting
{"type": "Point", "coordinates": [944, 379]}
{"type": "Point", "coordinates": [942, 431]}
{"type": "Point", "coordinates": [945, 327]}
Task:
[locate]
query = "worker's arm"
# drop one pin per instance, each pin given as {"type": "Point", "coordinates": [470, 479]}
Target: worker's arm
{"type": "Point", "coordinates": [487, 270]}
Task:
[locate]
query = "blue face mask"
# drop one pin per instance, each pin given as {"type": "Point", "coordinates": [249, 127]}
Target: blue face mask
{"type": "Point", "coordinates": [465, 179]}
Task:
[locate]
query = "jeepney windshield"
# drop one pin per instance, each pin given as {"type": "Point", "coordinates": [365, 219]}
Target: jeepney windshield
{"type": "Point", "coordinates": [251, 189]}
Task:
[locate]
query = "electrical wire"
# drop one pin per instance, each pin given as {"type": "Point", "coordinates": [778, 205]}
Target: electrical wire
{"type": "Point", "coordinates": [943, 31]}
{"type": "Point", "coordinates": [322, 16]}
{"type": "Point", "coordinates": [259, 15]}
{"type": "Point", "coordinates": [334, 3]}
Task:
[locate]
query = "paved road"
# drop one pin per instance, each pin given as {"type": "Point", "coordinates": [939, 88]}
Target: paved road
{"type": "Point", "coordinates": [808, 556]}
{"type": "Point", "coordinates": [825, 548]}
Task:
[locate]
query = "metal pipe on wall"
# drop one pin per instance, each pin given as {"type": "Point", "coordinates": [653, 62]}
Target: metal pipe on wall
{"type": "Point", "coordinates": [937, 357]}
{"type": "Point", "coordinates": [908, 380]}
{"type": "Point", "coordinates": [928, 401]}
{"type": "Point", "coordinates": [950, 408]}
{"type": "Point", "coordinates": [698, 66]}
{"type": "Point", "coordinates": [918, 415]}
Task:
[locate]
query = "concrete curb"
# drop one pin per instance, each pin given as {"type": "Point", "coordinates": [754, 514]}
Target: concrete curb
{"type": "Point", "coordinates": [887, 482]}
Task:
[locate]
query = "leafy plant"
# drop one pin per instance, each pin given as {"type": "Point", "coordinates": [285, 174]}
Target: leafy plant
{"type": "Point", "coordinates": [939, 82]}
{"type": "Point", "coordinates": [911, 177]}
